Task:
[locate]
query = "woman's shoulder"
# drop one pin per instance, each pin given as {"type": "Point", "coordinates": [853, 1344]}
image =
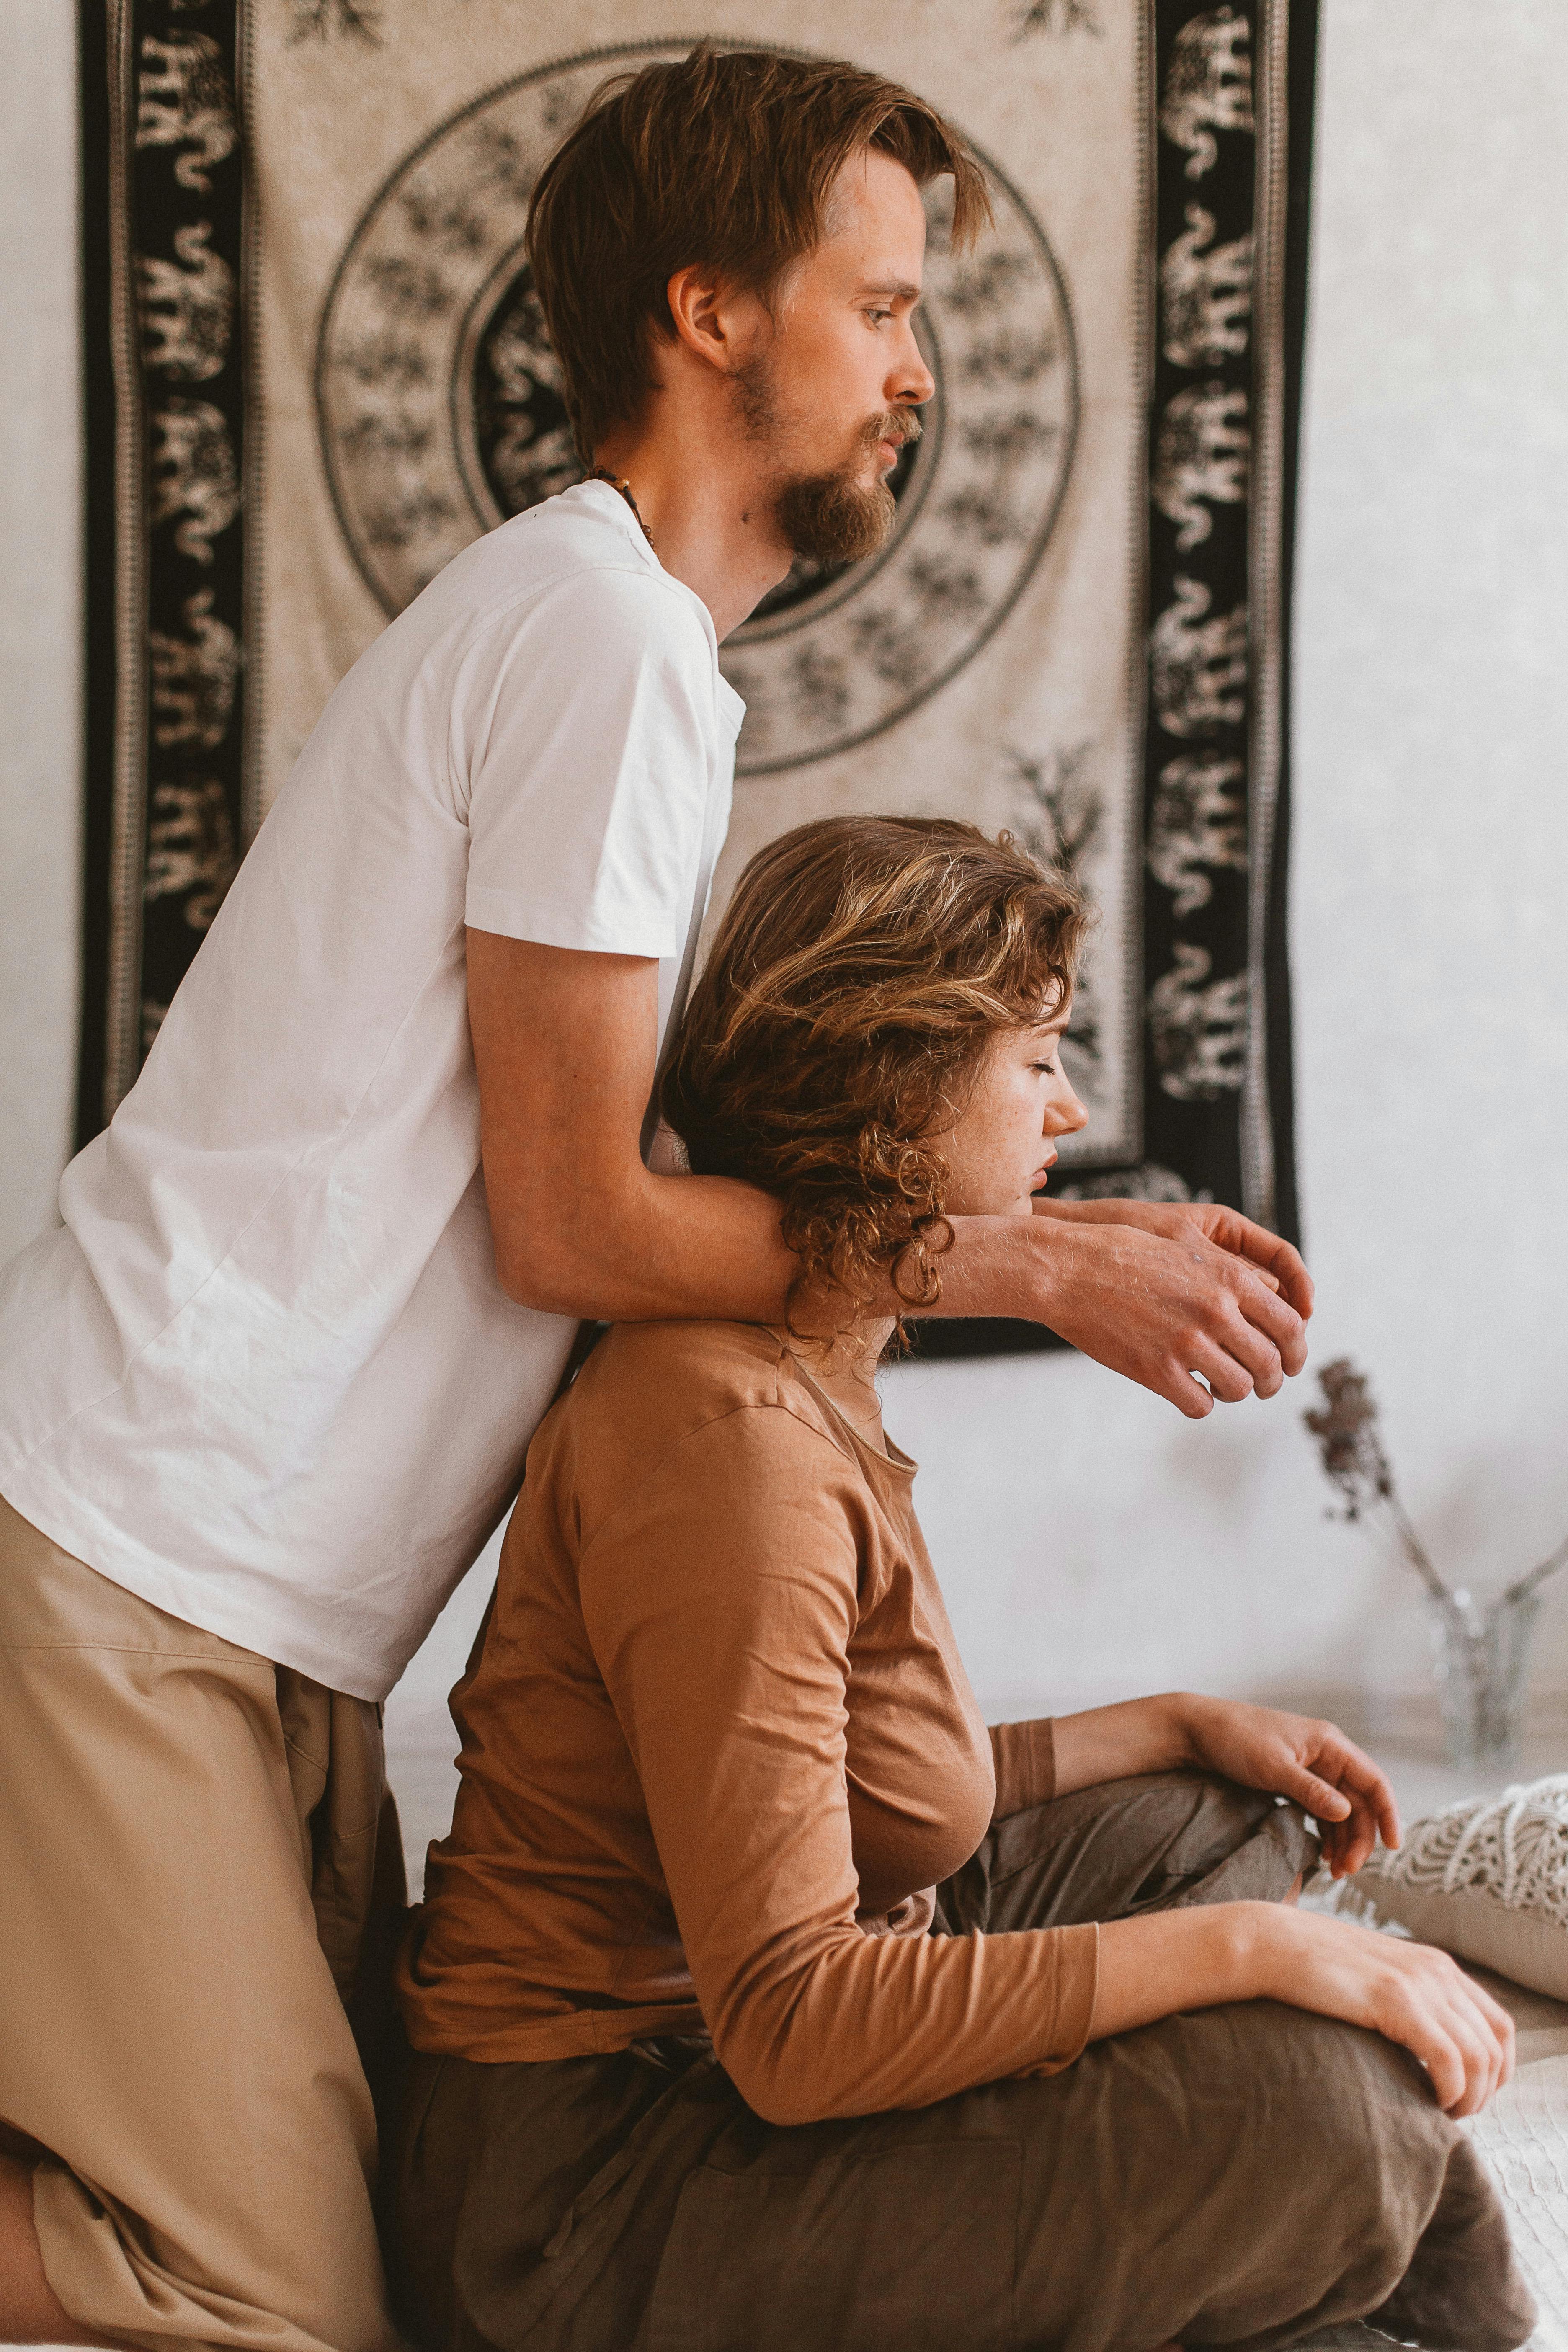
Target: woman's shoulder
{"type": "Point", "coordinates": [678, 1377]}
{"type": "Point", "coordinates": [649, 1390]}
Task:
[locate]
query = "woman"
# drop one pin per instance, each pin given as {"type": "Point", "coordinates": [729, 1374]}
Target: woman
{"type": "Point", "coordinates": [762, 1998]}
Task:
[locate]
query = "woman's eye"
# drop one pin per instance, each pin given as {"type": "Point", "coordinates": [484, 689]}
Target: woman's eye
{"type": "Point", "coordinates": [1048, 1067]}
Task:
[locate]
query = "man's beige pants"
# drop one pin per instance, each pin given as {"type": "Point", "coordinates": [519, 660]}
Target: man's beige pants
{"type": "Point", "coordinates": [188, 1837]}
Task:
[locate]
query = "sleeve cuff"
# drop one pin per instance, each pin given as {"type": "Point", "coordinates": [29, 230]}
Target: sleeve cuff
{"type": "Point", "coordinates": [1077, 1983]}
{"type": "Point", "coordinates": [600, 932]}
{"type": "Point", "coordinates": [1024, 1758]}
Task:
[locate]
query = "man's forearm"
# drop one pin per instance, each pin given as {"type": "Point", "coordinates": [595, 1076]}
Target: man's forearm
{"type": "Point", "coordinates": [1155, 1307]}
{"type": "Point", "coordinates": [706, 1247]}
{"type": "Point", "coordinates": [564, 1046]}
{"type": "Point", "coordinates": [664, 1247]}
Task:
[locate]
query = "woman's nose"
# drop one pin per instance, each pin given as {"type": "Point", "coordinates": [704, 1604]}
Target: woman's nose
{"type": "Point", "coordinates": [1066, 1118]}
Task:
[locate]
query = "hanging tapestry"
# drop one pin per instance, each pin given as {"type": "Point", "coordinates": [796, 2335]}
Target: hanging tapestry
{"type": "Point", "coordinates": [317, 368]}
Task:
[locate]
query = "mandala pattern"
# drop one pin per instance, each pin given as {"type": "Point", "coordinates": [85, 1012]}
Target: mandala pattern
{"type": "Point", "coordinates": [440, 414]}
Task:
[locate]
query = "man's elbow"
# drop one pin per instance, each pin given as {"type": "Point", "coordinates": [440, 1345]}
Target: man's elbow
{"type": "Point", "coordinates": [538, 1264]}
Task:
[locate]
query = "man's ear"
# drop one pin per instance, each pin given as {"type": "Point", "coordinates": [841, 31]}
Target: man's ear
{"type": "Point", "coordinates": [710, 316]}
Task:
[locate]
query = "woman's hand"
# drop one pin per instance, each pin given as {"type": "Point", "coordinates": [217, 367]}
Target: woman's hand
{"type": "Point", "coordinates": [1410, 1993]}
{"type": "Point", "coordinates": [1163, 1961]}
{"type": "Point", "coordinates": [1289, 1755]}
{"type": "Point", "coordinates": [1295, 1756]}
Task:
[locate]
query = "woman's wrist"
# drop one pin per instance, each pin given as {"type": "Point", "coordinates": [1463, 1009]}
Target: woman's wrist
{"type": "Point", "coordinates": [1118, 1743]}
{"type": "Point", "coordinates": [1161, 1962]}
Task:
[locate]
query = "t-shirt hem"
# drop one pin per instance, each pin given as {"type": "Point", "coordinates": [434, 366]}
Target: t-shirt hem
{"type": "Point", "coordinates": [77, 1528]}
{"type": "Point", "coordinates": [585, 2034]}
{"type": "Point", "coordinates": [514, 917]}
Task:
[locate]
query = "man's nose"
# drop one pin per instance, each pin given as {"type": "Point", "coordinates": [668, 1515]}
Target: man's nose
{"type": "Point", "coordinates": [913, 383]}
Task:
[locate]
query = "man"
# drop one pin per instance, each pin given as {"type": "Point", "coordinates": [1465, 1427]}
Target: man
{"type": "Point", "coordinates": [265, 1395]}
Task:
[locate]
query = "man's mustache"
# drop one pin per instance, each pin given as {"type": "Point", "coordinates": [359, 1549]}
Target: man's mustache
{"type": "Point", "coordinates": [898, 425]}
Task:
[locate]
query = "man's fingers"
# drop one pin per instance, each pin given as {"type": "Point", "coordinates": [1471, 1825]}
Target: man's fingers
{"type": "Point", "coordinates": [1348, 1844]}
{"type": "Point", "coordinates": [1492, 2010]}
{"type": "Point", "coordinates": [1485, 2048]}
{"type": "Point", "coordinates": [1270, 1314]}
{"type": "Point", "coordinates": [1438, 2054]}
{"type": "Point", "coordinates": [1463, 2037]}
{"type": "Point", "coordinates": [1243, 1339]}
{"type": "Point", "coordinates": [1188, 1395]}
{"type": "Point", "coordinates": [1230, 1230]}
{"type": "Point", "coordinates": [1229, 1380]}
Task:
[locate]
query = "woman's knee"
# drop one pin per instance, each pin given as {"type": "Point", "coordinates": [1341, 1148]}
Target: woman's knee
{"type": "Point", "coordinates": [1160, 1841]}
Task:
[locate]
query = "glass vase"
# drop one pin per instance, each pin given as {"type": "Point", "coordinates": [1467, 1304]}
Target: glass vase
{"type": "Point", "coordinates": [1482, 1659]}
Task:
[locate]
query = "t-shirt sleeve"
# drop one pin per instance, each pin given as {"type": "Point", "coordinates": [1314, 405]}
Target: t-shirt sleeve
{"type": "Point", "coordinates": [720, 1601]}
{"type": "Point", "coordinates": [584, 736]}
{"type": "Point", "coordinates": [1024, 1758]}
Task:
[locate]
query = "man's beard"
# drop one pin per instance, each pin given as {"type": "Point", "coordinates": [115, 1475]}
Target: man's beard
{"type": "Point", "coordinates": [833, 517]}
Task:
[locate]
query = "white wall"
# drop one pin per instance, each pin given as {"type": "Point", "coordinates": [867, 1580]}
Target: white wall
{"type": "Point", "coordinates": [1091, 1540]}
{"type": "Point", "coordinates": [1105, 1545]}
{"type": "Point", "coordinates": [41, 831]}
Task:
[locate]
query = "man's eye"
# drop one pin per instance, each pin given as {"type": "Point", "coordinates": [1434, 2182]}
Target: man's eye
{"type": "Point", "coordinates": [878, 317]}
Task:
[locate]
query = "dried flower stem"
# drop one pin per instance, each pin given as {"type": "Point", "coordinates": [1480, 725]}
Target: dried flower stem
{"type": "Point", "coordinates": [1352, 1448]}
{"type": "Point", "coordinates": [1410, 1544]}
{"type": "Point", "coordinates": [1539, 1573]}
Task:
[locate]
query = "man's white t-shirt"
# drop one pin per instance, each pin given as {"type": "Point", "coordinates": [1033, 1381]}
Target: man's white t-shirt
{"type": "Point", "coordinates": [265, 1375]}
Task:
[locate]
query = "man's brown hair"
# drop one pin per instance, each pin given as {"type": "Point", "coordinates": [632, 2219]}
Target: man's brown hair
{"type": "Point", "coordinates": [864, 966]}
{"type": "Point", "coordinates": [725, 158]}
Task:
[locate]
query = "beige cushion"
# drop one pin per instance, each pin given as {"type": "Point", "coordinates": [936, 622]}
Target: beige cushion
{"type": "Point", "coordinates": [1486, 1880]}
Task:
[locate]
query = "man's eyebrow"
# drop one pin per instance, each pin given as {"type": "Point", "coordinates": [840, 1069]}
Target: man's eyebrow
{"type": "Point", "coordinates": [898, 288]}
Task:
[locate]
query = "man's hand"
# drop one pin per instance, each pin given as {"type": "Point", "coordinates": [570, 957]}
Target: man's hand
{"type": "Point", "coordinates": [1157, 1306]}
{"type": "Point", "coordinates": [1295, 1756]}
{"type": "Point", "coordinates": [1207, 1221]}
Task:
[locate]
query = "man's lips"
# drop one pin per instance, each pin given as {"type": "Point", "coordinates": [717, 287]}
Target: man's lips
{"type": "Point", "coordinates": [891, 444]}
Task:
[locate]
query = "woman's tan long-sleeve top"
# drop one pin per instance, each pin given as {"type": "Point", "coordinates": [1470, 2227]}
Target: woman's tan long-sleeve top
{"type": "Point", "coordinates": [718, 1746]}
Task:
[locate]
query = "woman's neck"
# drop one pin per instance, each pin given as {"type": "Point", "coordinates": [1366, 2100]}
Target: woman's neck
{"type": "Point", "coordinates": [846, 1367]}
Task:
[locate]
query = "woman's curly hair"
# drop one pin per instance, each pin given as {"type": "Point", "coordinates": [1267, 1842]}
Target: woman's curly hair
{"type": "Point", "coordinates": [862, 968]}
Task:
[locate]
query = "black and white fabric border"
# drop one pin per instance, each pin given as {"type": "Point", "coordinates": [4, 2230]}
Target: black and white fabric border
{"type": "Point", "coordinates": [1231, 107]}
{"type": "Point", "coordinates": [165, 345]}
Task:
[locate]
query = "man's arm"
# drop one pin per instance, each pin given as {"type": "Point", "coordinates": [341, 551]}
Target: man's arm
{"type": "Point", "coordinates": [564, 1046]}
{"type": "Point", "coordinates": [1179, 1220]}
